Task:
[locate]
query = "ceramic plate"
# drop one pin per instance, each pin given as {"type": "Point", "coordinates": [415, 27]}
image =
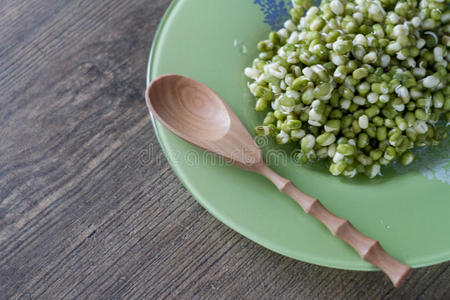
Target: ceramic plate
{"type": "Point", "coordinates": [407, 209]}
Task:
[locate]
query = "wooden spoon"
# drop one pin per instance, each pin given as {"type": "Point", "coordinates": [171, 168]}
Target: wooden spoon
{"type": "Point", "coordinates": [198, 115]}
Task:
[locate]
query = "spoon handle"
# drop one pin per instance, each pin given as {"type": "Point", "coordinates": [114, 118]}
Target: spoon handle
{"type": "Point", "coordinates": [369, 249]}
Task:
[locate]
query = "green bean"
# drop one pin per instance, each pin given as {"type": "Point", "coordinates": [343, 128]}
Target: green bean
{"type": "Point", "coordinates": [395, 139]}
{"type": "Point", "coordinates": [405, 144]}
{"type": "Point", "coordinates": [269, 119]}
{"type": "Point", "coordinates": [410, 118]}
{"type": "Point", "coordinates": [378, 121]}
{"type": "Point", "coordinates": [306, 4]}
{"type": "Point", "coordinates": [308, 96]}
{"type": "Point", "coordinates": [278, 115]}
{"type": "Point", "coordinates": [394, 131]}
{"type": "Point", "coordinates": [275, 38]}
{"type": "Point", "coordinates": [358, 113]}
{"type": "Point", "coordinates": [372, 97]}
{"type": "Point", "coordinates": [294, 124]}
{"type": "Point", "coordinates": [372, 111]}
{"type": "Point", "coordinates": [317, 24]}
{"type": "Point", "coordinates": [389, 112]}
{"type": "Point", "coordinates": [353, 107]}
{"type": "Point", "coordinates": [284, 127]}
{"type": "Point", "coordinates": [401, 123]}
{"type": "Point", "coordinates": [380, 88]}
{"type": "Point", "coordinates": [279, 124]}
{"type": "Point", "coordinates": [438, 100]}
{"type": "Point", "coordinates": [390, 153]}
{"type": "Point", "coordinates": [346, 121]}
{"type": "Point", "coordinates": [291, 116]}
{"type": "Point", "coordinates": [389, 123]}
{"type": "Point", "coordinates": [356, 127]}
{"type": "Point", "coordinates": [345, 149]}
{"type": "Point", "coordinates": [322, 90]}
{"type": "Point", "coordinates": [407, 158]}
{"type": "Point", "coordinates": [447, 104]}
{"type": "Point", "coordinates": [363, 140]}
{"type": "Point", "coordinates": [364, 159]}
{"type": "Point", "coordinates": [371, 131]}
{"type": "Point", "coordinates": [282, 137]}
{"type": "Point", "coordinates": [411, 106]}
{"type": "Point", "coordinates": [296, 13]}
{"type": "Point", "coordinates": [370, 57]}
{"type": "Point", "coordinates": [337, 168]}
{"type": "Point", "coordinates": [350, 161]}
{"type": "Point", "coordinates": [345, 92]}
{"type": "Point", "coordinates": [421, 114]}
{"type": "Point", "coordinates": [308, 143]}
{"type": "Point", "coordinates": [352, 65]}
{"type": "Point", "coordinates": [297, 134]}
{"type": "Point", "coordinates": [372, 170]}
{"type": "Point", "coordinates": [329, 66]}
{"type": "Point", "coordinates": [304, 116]}
{"type": "Point", "coordinates": [342, 140]}
{"type": "Point", "coordinates": [364, 29]}
{"type": "Point", "coordinates": [300, 83]}
{"type": "Point", "coordinates": [403, 40]}
{"type": "Point", "coordinates": [381, 133]}
{"type": "Point", "coordinates": [335, 114]}
{"type": "Point", "coordinates": [264, 46]}
{"type": "Point", "coordinates": [326, 139]}
{"type": "Point", "coordinates": [264, 93]}
{"type": "Point", "coordinates": [350, 26]}
{"type": "Point", "coordinates": [301, 157]}
{"type": "Point", "coordinates": [332, 126]}
{"type": "Point", "coordinates": [261, 104]}
{"type": "Point", "coordinates": [376, 154]}
{"type": "Point", "coordinates": [435, 115]}
{"type": "Point", "coordinates": [360, 73]}
{"type": "Point", "coordinates": [348, 132]}
{"type": "Point", "coordinates": [334, 100]}
{"type": "Point", "coordinates": [411, 134]}
{"type": "Point", "coordinates": [363, 88]}
{"type": "Point", "coordinates": [261, 130]}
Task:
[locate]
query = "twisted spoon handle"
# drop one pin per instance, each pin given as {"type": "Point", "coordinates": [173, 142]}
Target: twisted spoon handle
{"type": "Point", "coordinates": [369, 249]}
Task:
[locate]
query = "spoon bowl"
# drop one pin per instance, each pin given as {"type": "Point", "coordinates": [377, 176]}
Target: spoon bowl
{"type": "Point", "coordinates": [194, 110]}
{"type": "Point", "coordinates": [198, 115]}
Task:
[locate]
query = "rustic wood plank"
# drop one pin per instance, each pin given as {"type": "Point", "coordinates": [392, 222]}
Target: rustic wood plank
{"type": "Point", "coordinates": [89, 207]}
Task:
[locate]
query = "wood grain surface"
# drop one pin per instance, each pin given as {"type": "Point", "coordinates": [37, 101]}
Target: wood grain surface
{"type": "Point", "coordinates": [89, 207]}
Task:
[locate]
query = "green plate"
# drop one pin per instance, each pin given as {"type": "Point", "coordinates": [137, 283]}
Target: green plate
{"type": "Point", "coordinates": [407, 209]}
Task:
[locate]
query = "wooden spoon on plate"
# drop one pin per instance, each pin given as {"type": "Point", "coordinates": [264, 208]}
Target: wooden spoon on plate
{"type": "Point", "coordinates": [199, 116]}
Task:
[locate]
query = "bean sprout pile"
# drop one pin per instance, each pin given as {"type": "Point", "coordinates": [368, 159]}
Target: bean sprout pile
{"type": "Point", "coordinates": [357, 83]}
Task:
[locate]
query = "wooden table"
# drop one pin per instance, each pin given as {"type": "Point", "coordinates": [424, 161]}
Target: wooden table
{"type": "Point", "coordinates": [87, 212]}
